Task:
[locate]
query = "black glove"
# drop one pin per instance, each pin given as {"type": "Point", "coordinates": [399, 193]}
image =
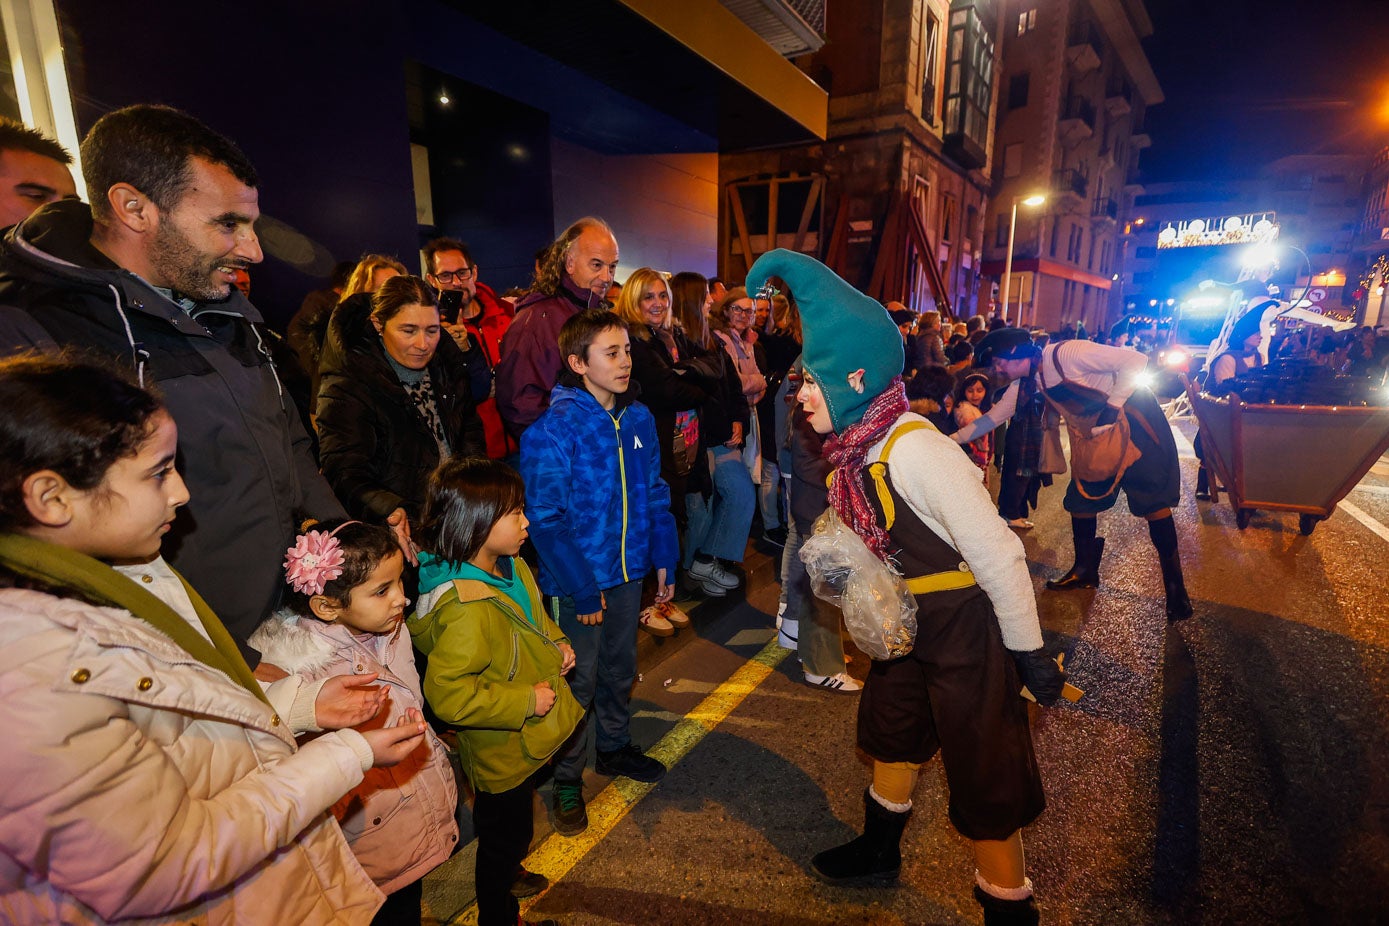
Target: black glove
{"type": "Point", "coordinates": [1041, 674]}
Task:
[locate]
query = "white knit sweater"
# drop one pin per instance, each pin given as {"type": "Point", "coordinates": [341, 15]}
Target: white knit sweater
{"type": "Point", "coordinates": [942, 486]}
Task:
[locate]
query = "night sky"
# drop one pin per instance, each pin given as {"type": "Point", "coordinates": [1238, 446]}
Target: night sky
{"type": "Point", "coordinates": [1250, 81]}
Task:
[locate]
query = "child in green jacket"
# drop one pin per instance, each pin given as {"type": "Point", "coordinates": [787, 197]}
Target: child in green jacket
{"type": "Point", "coordinates": [496, 661]}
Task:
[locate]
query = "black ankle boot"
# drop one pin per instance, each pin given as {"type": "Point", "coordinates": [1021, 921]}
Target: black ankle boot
{"type": "Point", "coordinates": [874, 857]}
{"type": "Point", "coordinates": [1164, 535]}
{"type": "Point", "coordinates": [998, 912]}
{"type": "Point", "coordinates": [1203, 484]}
{"type": "Point", "coordinates": [1088, 548]}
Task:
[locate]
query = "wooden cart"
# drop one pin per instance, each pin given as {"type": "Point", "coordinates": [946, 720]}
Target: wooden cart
{"type": "Point", "coordinates": [1302, 458]}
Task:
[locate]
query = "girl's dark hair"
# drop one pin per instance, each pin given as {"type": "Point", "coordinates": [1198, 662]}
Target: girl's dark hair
{"type": "Point", "coordinates": [465, 497]}
{"type": "Point", "coordinates": [688, 292]}
{"type": "Point", "coordinates": [75, 416]}
{"type": "Point", "coordinates": [932, 381]}
{"type": "Point", "coordinates": [398, 292]}
{"type": "Point", "coordinates": [363, 546]}
{"type": "Point", "coordinates": [966, 381]}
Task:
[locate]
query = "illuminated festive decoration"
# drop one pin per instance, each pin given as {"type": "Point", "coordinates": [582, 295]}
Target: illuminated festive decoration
{"type": "Point", "coordinates": [1254, 228]}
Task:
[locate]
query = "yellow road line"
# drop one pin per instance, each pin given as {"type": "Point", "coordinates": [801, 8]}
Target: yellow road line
{"type": "Point", "coordinates": [557, 855]}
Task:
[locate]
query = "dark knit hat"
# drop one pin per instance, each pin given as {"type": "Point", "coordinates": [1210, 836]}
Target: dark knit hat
{"type": "Point", "coordinates": [1246, 326]}
{"type": "Point", "coordinates": [844, 331]}
{"type": "Point", "coordinates": [1005, 344]}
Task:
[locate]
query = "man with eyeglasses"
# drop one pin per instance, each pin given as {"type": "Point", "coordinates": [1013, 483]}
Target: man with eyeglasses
{"type": "Point", "coordinates": [477, 318]}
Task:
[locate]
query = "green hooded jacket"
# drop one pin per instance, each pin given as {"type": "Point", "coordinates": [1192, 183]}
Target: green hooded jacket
{"type": "Point", "coordinates": [485, 659]}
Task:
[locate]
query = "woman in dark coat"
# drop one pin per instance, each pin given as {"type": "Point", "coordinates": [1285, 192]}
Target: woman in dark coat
{"type": "Point", "coordinates": [719, 494]}
{"type": "Point", "coordinates": [394, 404]}
{"type": "Point", "coordinates": [670, 387]}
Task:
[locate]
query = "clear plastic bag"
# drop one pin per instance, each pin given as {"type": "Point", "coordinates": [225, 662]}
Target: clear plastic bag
{"type": "Point", "coordinates": [879, 610]}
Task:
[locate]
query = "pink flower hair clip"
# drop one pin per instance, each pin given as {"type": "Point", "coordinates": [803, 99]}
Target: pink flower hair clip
{"type": "Point", "coordinates": [315, 560]}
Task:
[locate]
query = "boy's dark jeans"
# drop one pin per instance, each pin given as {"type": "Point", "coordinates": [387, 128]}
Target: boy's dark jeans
{"type": "Point", "coordinates": [504, 824]}
{"type": "Point", "coordinates": [605, 666]}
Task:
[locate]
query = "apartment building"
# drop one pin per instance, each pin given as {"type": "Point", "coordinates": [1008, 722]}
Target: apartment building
{"type": "Point", "coordinates": [1074, 87]}
{"type": "Point", "coordinates": [894, 198]}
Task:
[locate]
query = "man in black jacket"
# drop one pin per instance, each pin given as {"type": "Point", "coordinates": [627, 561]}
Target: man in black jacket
{"type": "Point", "coordinates": [145, 277]}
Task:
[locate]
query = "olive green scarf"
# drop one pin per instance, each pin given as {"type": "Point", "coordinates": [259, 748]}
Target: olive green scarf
{"type": "Point", "coordinates": [63, 568]}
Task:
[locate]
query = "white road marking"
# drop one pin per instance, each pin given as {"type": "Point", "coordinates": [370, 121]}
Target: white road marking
{"type": "Point", "coordinates": [1365, 519]}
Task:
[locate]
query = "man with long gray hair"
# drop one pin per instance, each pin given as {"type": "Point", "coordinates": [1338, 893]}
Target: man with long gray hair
{"type": "Point", "coordinates": [575, 275]}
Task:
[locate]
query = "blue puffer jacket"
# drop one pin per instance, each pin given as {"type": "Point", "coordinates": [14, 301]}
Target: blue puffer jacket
{"type": "Point", "coordinates": [599, 510]}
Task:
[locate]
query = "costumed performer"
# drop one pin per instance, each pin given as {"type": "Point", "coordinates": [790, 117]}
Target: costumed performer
{"type": "Point", "coordinates": [925, 513]}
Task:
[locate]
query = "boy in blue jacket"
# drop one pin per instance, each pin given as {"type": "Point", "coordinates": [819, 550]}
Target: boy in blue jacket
{"type": "Point", "coordinates": [600, 518]}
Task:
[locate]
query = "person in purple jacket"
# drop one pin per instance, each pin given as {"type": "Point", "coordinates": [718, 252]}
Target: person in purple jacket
{"type": "Point", "coordinates": [575, 275]}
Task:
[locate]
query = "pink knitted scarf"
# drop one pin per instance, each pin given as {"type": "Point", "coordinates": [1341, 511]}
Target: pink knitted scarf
{"type": "Point", "coordinates": [847, 452]}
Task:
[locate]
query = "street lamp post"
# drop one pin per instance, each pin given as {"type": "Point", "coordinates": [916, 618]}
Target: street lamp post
{"type": "Point", "coordinates": [1034, 200]}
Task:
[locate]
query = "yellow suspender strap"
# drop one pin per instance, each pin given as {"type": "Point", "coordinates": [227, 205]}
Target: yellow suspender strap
{"type": "Point", "coordinates": [878, 470]}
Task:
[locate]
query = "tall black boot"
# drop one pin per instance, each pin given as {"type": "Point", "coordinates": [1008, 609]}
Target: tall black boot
{"type": "Point", "coordinates": [1203, 483]}
{"type": "Point", "coordinates": [1086, 571]}
{"type": "Point", "coordinates": [874, 857]}
{"type": "Point", "coordinates": [1164, 534]}
{"type": "Point", "coordinates": [998, 912]}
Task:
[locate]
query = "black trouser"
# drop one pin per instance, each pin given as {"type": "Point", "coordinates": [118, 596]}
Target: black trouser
{"type": "Point", "coordinates": [504, 823]}
{"type": "Point", "coordinates": [401, 908]}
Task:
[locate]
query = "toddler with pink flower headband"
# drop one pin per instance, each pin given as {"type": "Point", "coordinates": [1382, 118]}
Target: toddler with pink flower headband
{"type": "Point", "coordinates": [345, 612]}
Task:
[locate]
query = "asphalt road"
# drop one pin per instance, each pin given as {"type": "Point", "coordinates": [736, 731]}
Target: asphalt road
{"type": "Point", "coordinates": [1233, 768]}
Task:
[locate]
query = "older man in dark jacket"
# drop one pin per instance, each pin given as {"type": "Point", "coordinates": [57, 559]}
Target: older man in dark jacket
{"type": "Point", "coordinates": [575, 275]}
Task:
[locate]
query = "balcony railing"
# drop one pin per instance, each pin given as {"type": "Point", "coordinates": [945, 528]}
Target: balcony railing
{"type": "Point", "coordinates": [1079, 108]}
{"type": "Point", "coordinates": [1072, 182]}
{"type": "Point", "coordinates": [1085, 33]}
{"type": "Point", "coordinates": [1105, 209]}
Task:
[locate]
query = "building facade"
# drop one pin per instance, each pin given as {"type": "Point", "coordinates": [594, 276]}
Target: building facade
{"type": "Point", "coordinates": [895, 196]}
{"type": "Point", "coordinates": [498, 123]}
{"type": "Point", "coordinates": [1074, 88]}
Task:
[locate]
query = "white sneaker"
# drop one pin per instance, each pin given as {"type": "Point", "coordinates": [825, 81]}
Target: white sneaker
{"type": "Point", "coordinates": [654, 623]}
{"type": "Point", "coordinates": [842, 681]}
{"type": "Point", "coordinates": [786, 631]}
{"type": "Point", "coordinates": [672, 613]}
{"type": "Point", "coordinates": [713, 572]}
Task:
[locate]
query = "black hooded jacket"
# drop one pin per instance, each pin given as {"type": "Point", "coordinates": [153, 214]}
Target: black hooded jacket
{"type": "Point", "coordinates": [243, 451]}
{"type": "Point", "coordinates": [376, 448]}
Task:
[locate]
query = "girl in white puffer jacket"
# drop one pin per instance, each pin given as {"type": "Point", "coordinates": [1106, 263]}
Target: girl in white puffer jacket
{"type": "Point", "coordinates": [148, 778]}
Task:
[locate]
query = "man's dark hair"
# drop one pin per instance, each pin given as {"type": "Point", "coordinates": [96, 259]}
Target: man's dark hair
{"type": "Point", "coordinates": [465, 497]}
{"type": "Point", "coordinates": [16, 136]}
{"type": "Point", "coordinates": [579, 333]}
{"type": "Point", "coordinates": [445, 244]}
{"type": "Point", "coordinates": [342, 272]}
{"type": "Point", "coordinates": [151, 147]}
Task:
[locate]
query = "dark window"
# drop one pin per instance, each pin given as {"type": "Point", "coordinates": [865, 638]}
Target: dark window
{"type": "Point", "coordinates": [969, 66]}
{"type": "Point", "coordinates": [1146, 253]}
{"type": "Point", "coordinates": [1017, 91]}
{"type": "Point", "coordinates": [930, 53]}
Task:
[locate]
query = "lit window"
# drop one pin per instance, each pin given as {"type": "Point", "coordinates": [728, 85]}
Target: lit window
{"type": "Point", "coordinates": [1027, 22]}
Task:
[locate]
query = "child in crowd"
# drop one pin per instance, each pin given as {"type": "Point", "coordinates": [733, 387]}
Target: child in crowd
{"type": "Point", "coordinates": [496, 662]}
{"type": "Point", "coordinates": [971, 401]}
{"type": "Point", "coordinates": [600, 519]}
{"type": "Point", "coordinates": [346, 610]}
{"type": "Point", "coordinates": [147, 774]}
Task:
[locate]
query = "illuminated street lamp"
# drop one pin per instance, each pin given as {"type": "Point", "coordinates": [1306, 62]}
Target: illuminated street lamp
{"type": "Point", "coordinates": [1034, 200]}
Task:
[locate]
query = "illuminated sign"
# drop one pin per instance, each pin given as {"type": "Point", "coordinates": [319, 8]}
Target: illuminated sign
{"type": "Point", "coordinates": [1254, 228]}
